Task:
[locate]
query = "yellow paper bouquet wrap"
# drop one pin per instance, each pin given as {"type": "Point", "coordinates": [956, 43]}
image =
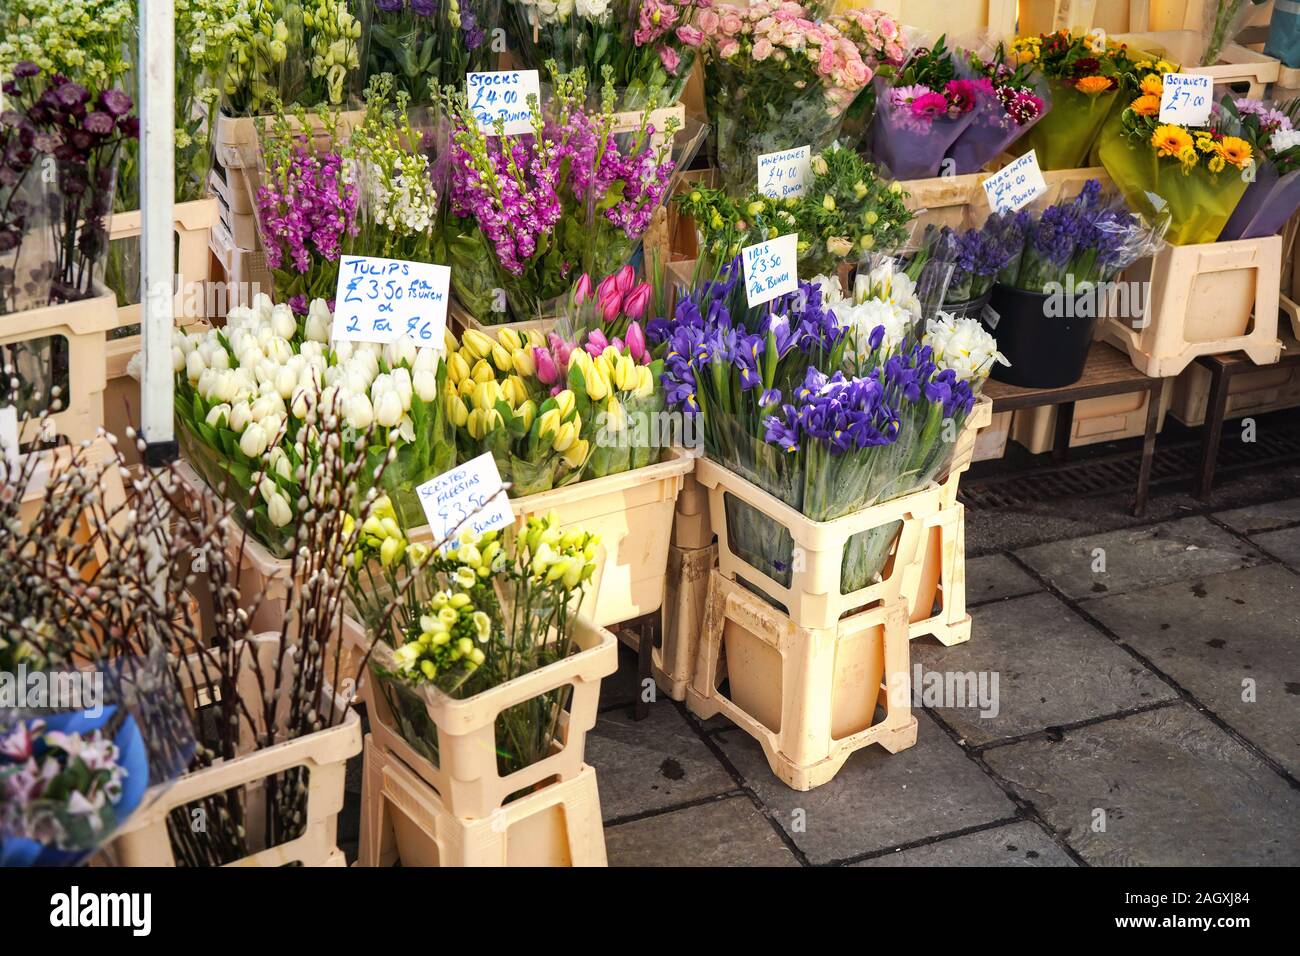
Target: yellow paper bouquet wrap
{"type": "Point", "coordinates": [1193, 176]}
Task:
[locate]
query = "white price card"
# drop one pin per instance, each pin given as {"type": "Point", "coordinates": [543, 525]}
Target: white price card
{"type": "Point", "coordinates": [9, 438]}
{"type": "Point", "coordinates": [1017, 185]}
{"type": "Point", "coordinates": [469, 497]}
{"type": "Point", "coordinates": [503, 94]}
{"type": "Point", "coordinates": [771, 269]}
{"type": "Point", "coordinates": [1186, 98]}
{"type": "Point", "coordinates": [381, 300]}
{"type": "Point", "coordinates": [785, 174]}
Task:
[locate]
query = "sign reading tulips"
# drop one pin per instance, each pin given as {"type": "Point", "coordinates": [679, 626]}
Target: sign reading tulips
{"type": "Point", "coordinates": [467, 498]}
{"type": "Point", "coordinates": [771, 269]}
{"type": "Point", "coordinates": [503, 95]}
{"type": "Point", "coordinates": [382, 300]}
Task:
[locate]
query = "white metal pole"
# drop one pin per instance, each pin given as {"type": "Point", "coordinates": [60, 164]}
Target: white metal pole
{"type": "Point", "coordinates": [155, 103]}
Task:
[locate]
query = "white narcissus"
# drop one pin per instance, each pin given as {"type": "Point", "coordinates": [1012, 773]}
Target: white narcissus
{"type": "Point", "coordinates": [964, 346]}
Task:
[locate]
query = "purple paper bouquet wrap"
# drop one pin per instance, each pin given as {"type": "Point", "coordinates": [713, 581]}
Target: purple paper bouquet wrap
{"type": "Point", "coordinates": [1266, 205]}
{"type": "Point", "coordinates": [910, 147]}
{"type": "Point", "coordinates": [991, 131]}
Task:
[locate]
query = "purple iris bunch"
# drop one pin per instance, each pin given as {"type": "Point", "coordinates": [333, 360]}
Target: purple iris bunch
{"type": "Point", "coordinates": [842, 414]}
{"type": "Point", "coordinates": [304, 212]}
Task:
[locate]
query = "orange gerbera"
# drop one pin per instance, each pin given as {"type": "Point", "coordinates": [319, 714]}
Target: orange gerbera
{"type": "Point", "coordinates": [1093, 84]}
{"type": "Point", "coordinates": [1146, 105]}
{"type": "Point", "coordinates": [1170, 140]}
{"type": "Point", "coordinates": [1152, 85]}
{"type": "Point", "coordinates": [1236, 151]}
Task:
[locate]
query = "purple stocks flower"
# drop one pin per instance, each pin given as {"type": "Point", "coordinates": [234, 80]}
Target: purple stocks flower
{"type": "Point", "coordinates": [307, 209]}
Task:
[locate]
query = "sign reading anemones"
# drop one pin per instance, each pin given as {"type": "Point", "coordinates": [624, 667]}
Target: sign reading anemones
{"type": "Point", "coordinates": [771, 269]}
{"type": "Point", "coordinates": [503, 95]}
{"type": "Point", "coordinates": [785, 174]}
{"type": "Point", "coordinates": [382, 300]}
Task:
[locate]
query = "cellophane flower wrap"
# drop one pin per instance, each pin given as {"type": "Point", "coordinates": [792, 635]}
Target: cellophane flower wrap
{"type": "Point", "coordinates": [648, 47]}
{"type": "Point", "coordinates": [490, 608]}
{"type": "Point", "coordinates": [1272, 197]}
{"type": "Point", "coordinates": [306, 207]}
{"type": "Point", "coordinates": [847, 210]}
{"type": "Point", "coordinates": [531, 212]}
{"type": "Point", "coordinates": [293, 52]}
{"type": "Point", "coordinates": [774, 79]}
{"type": "Point", "coordinates": [1084, 75]}
{"type": "Point", "coordinates": [977, 258]}
{"type": "Point", "coordinates": [398, 212]}
{"type": "Point", "coordinates": [250, 399]}
{"type": "Point", "coordinates": [428, 43]}
{"type": "Point", "coordinates": [26, 198]}
{"type": "Point", "coordinates": [1010, 100]}
{"type": "Point", "coordinates": [881, 45]}
{"type": "Point", "coordinates": [1192, 177]}
{"type": "Point", "coordinates": [922, 109]}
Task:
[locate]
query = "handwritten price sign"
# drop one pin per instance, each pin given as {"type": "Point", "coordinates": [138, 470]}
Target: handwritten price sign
{"type": "Point", "coordinates": [381, 300]}
{"type": "Point", "coordinates": [1186, 99]}
{"type": "Point", "coordinates": [1017, 185]}
{"type": "Point", "coordinates": [469, 497]}
{"type": "Point", "coordinates": [503, 94]}
{"type": "Point", "coordinates": [771, 269]}
{"type": "Point", "coordinates": [785, 174]}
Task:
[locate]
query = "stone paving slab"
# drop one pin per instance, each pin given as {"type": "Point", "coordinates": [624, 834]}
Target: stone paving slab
{"type": "Point", "coordinates": [995, 577]}
{"type": "Point", "coordinates": [726, 832]}
{"type": "Point", "coordinates": [1283, 545]}
{"type": "Point", "coordinates": [1176, 791]}
{"type": "Point", "coordinates": [1140, 557]}
{"type": "Point", "coordinates": [1052, 668]}
{"type": "Point", "coordinates": [1018, 844]}
{"type": "Point", "coordinates": [652, 764]}
{"type": "Point", "coordinates": [1213, 633]}
{"type": "Point", "coordinates": [878, 800]}
{"type": "Point", "coordinates": [1256, 518]}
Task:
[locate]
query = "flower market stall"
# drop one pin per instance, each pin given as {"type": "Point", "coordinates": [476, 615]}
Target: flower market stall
{"type": "Point", "coordinates": [466, 340]}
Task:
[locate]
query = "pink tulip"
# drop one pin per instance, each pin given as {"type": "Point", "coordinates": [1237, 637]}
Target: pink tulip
{"type": "Point", "coordinates": [608, 286]}
{"type": "Point", "coordinates": [582, 289]}
{"type": "Point", "coordinates": [636, 342]}
{"type": "Point", "coordinates": [596, 343]}
{"type": "Point", "coordinates": [637, 301]}
{"type": "Point", "coordinates": [611, 307]}
{"type": "Point", "coordinates": [547, 372]}
{"type": "Point", "coordinates": [624, 279]}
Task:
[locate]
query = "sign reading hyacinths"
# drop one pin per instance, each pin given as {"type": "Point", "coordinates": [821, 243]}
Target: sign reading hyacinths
{"type": "Point", "coordinates": [1017, 185]}
{"type": "Point", "coordinates": [469, 497]}
{"type": "Point", "coordinates": [1186, 98]}
{"type": "Point", "coordinates": [785, 174]}
{"type": "Point", "coordinates": [503, 95]}
{"type": "Point", "coordinates": [382, 300]}
{"type": "Point", "coordinates": [771, 269]}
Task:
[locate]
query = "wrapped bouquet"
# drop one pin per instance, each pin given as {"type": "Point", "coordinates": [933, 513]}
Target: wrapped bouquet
{"type": "Point", "coordinates": [1009, 102]}
{"type": "Point", "coordinates": [774, 79]}
{"type": "Point", "coordinates": [880, 42]}
{"type": "Point", "coordinates": [1274, 194]}
{"type": "Point", "coordinates": [427, 43]}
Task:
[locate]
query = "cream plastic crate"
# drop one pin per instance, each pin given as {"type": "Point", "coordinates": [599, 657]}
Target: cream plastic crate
{"type": "Point", "coordinates": [1204, 299]}
{"type": "Point", "coordinates": [691, 527]}
{"type": "Point", "coordinates": [194, 222]}
{"type": "Point", "coordinates": [1243, 69]}
{"type": "Point", "coordinates": [942, 581]}
{"type": "Point", "coordinates": [1120, 16]}
{"type": "Point", "coordinates": [673, 664]}
{"type": "Point", "coordinates": [85, 325]}
{"type": "Point", "coordinates": [991, 443]}
{"type": "Point", "coordinates": [960, 201]}
{"type": "Point", "coordinates": [245, 273]}
{"type": "Point", "coordinates": [461, 321]}
{"type": "Point", "coordinates": [808, 695]}
{"type": "Point", "coordinates": [1096, 420]}
{"type": "Point", "coordinates": [403, 820]}
{"type": "Point", "coordinates": [143, 841]}
{"type": "Point", "coordinates": [813, 598]}
{"type": "Point", "coordinates": [1250, 393]}
{"type": "Point", "coordinates": [465, 776]}
{"type": "Point", "coordinates": [995, 16]}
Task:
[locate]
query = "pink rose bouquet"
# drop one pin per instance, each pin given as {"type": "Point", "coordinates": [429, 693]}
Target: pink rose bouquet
{"type": "Point", "coordinates": [880, 42]}
{"type": "Point", "coordinates": [774, 79]}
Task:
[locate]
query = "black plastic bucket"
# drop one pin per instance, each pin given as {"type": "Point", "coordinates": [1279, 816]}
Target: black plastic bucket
{"type": "Point", "coordinates": [1041, 334]}
{"type": "Point", "coordinates": [971, 309]}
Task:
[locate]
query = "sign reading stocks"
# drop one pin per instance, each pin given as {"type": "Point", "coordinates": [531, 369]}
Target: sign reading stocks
{"type": "Point", "coordinates": [503, 95]}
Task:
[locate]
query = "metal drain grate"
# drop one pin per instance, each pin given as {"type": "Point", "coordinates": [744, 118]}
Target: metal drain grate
{"type": "Point", "coordinates": [1117, 473]}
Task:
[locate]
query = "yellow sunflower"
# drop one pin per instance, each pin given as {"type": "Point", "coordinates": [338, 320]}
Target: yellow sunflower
{"type": "Point", "coordinates": [1146, 105]}
{"type": "Point", "coordinates": [1152, 85]}
{"type": "Point", "coordinates": [1236, 151]}
{"type": "Point", "coordinates": [1170, 140]}
{"type": "Point", "coordinates": [1093, 84]}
